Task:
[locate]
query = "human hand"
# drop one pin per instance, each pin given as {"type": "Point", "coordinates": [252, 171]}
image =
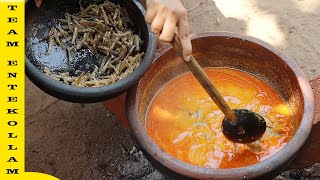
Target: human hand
{"type": "Point", "coordinates": [164, 16]}
{"type": "Point", "coordinates": [38, 2]}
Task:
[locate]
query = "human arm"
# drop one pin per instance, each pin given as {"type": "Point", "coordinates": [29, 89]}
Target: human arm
{"type": "Point", "coordinates": [167, 15]}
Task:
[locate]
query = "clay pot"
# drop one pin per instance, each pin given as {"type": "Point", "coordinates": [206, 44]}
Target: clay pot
{"type": "Point", "coordinates": [234, 51]}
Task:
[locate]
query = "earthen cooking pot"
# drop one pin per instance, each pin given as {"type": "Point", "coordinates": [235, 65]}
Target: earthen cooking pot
{"type": "Point", "coordinates": [234, 51]}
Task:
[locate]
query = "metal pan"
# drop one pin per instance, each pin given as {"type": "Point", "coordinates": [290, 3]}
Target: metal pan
{"type": "Point", "coordinates": [38, 22]}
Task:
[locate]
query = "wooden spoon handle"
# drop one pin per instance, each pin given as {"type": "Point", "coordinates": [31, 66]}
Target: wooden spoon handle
{"type": "Point", "coordinates": [203, 79]}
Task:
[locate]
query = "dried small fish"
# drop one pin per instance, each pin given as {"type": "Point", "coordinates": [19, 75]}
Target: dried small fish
{"type": "Point", "coordinates": [105, 17]}
{"type": "Point", "coordinates": [63, 32]}
{"type": "Point", "coordinates": [137, 42]}
{"type": "Point", "coordinates": [79, 79]}
{"type": "Point", "coordinates": [103, 29]}
{"type": "Point", "coordinates": [104, 50]}
{"type": "Point", "coordinates": [80, 4]}
{"type": "Point", "coordinates": [69, 56]}
{"type": "Point", "coordinates": [63, 21]}
{"type": "Point", "coordinates": [55, 32]}
{"type": "Point", "coordinates": [115, 14]}
{"type": "Point", "coordinates": [78, 25]}
{"type": "Point", "coordinates": [84, 39]}
{"type": "Point", "coordinates": [68, 19]}
{"type": "Point", "coordinates": [50, 44]}
{"type": "Point", "coordinates": [50, 40]}
{"type": "Point", "coordinates": [95, 41]}
{"type": "Point", "coordinates": [87, 30]}
{"type": "Point", "coordinates": [46, 70]}
{"type": "Point", "coordinates": [56, 36]}
{"type": "Point", "coordinates": [75, 35]}
{"type": "Point", "coordinates": [87, 23]}
{"type": "Point", "coordinates": [87, 9]}
{"type": "Point", "coordinates": [86, 45]}
{"type": "Point", "coordinates": [66, 40]}
{"type": "Point", "coordinates": [57, 39]}
{"type": "Point", "coordinates": [112, 45]}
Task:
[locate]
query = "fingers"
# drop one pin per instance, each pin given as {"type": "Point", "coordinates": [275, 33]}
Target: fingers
{"type": "Point", "coordinates": [164, 16]}
{"type": "Point", "coordinates": [157, 23]}
{"type": "Point", "coordinates": [168, 29]}
{"type": "Point", "coordinates": [184, 36]}
{"type": "Point", "coordinates": [159, 42]}
{"type": "Point", "coordinates": [38, 3]}
{"type": "Point", "coordinates": [151, 14]}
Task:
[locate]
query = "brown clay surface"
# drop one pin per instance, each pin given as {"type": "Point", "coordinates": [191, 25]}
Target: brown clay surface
{"type": "Point", "coordinates": [315, 84]}
{"type": "Point", "coordinates": [74, 142]}
{"type": "Point", "coordinates": [309, 154]}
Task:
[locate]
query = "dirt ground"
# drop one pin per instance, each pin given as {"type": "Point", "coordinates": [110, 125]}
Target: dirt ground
{"type": "Point", "coordinates": [74, 141]}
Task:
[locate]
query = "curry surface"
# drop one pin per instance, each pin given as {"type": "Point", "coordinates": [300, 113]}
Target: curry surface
{"type": "Point", "coordinates": [185, 122]}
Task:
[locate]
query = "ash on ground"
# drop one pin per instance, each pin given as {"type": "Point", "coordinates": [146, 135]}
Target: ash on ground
{"type": "Point", "coordinates": [136, 166]}
{"type": "Point", "coordinates": [308, 173]}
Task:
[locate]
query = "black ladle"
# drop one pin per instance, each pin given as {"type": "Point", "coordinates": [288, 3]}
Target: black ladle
{"type": "Point", "coordinates": [239, 125]}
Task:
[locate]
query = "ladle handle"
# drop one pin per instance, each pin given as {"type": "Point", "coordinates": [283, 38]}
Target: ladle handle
{"type": "Point", "coordinates": [201, 76]}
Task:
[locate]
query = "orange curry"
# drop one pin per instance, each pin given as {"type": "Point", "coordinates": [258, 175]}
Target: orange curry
{"type": "Point", "coordinates": [185, 122]}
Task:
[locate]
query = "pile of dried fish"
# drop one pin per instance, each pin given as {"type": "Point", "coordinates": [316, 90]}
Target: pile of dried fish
{"type": "Point", "coordinates": [103, 29]}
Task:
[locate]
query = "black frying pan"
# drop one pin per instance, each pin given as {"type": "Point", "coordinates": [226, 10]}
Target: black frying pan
{"type": "Point", "coordinates": [38, 23]}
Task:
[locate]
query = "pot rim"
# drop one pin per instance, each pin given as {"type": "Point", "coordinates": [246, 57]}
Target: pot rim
{"type": "Point", "coordinates": [97, 94]}
{"type": "Point", "coordinates": [272, 163]}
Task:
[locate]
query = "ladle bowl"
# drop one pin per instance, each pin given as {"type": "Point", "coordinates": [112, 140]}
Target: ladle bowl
{"type": "Point", "coordinates": [232, 51]}
{"type": "Point", "coordinates": [249, 127]}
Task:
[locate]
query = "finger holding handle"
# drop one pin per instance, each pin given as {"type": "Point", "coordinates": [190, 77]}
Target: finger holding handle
{"type": "Point", "coordinates": [203, 79]}
{"type": "Point", "coordinates": [184, 36]}
{"type": "Point", "coordinates": [178, 47]}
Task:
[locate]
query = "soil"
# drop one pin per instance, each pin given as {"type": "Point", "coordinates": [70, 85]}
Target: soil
{"type": "Point", "coordinates": [74, 141]}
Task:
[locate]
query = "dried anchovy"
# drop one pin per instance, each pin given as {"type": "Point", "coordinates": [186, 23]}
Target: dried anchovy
{"type": "Point", "coordinates": [75, 34]}
{"type": "Point", "coordinates": [103, 29]}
